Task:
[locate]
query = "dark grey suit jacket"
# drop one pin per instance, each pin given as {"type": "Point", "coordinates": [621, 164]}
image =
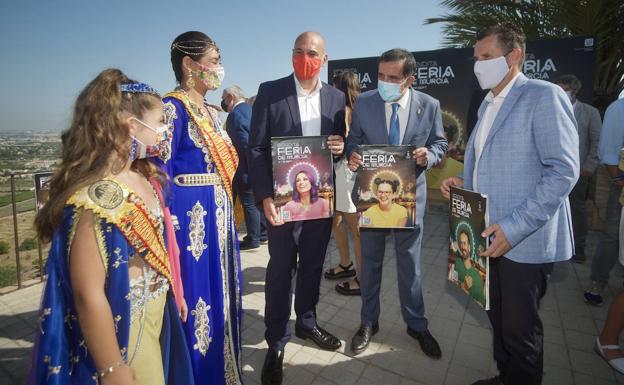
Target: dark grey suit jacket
{"type": "Point", "coordinates": [424, 129]}
{"type": "Point", "coordinates": [588, 124]}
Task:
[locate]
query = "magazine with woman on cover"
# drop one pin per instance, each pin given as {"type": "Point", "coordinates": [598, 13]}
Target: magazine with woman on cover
{"type": "Point", "coordinates": [303, 178]}
{"type": "Point", "coordinates": [385, 187]}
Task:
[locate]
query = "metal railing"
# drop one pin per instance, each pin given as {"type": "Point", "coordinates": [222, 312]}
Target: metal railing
{"type": "Point", "coordinates": [19, 269]}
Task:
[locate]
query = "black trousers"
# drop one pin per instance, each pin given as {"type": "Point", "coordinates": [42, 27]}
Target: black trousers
{"type": "Point", "coordinates": [286, 242]}
{"type": "Point", "coordinates": [515, 293]}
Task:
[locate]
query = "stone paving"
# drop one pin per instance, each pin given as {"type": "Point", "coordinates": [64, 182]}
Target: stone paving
{"type": "Point", "coordinates": [460, 326]}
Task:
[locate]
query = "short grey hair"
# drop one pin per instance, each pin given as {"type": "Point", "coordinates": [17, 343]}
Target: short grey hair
{"type": "Point", "coordinates": [235, 91]}
{"type": "Point", "coordinates": [569, 80]}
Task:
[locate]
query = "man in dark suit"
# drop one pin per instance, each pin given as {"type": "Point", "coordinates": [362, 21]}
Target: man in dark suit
{"type": "Point", "coordinates": [237, 126]}
{"type": "Point", "coordinates": [297, 105]}
{"type": "Point", "coordinates": [395, 114]}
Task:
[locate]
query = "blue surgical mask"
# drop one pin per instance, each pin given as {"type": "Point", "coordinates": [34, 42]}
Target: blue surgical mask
{"type": "Point", "coordinates": [389, 92]}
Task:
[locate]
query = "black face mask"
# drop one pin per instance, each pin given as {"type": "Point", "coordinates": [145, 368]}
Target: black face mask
{"type": "Point", "coordinates": [224, 105]}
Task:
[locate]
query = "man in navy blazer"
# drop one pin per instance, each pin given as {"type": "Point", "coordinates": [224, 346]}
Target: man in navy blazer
{"type": "Point", "coordinates": [297, 105]}
{"type": "Point", "coordinates": [396, 114]}
{"type": "Point", "coordinates": [237, 126]}
{"type": "Point", "coordinates": [524, 155]}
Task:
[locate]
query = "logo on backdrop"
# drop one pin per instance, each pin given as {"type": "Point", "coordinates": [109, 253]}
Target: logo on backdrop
{"type": "Point", "coordinates": [539, 68]}
{"type": "Point", "coordinates": [430, 73]}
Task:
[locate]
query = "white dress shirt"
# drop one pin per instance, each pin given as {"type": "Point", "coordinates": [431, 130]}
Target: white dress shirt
{"type": "Point", "coordinates": [486, 121]}
{"type": "Point", "coordinates": [309, 108]}
{"type": "Point", "coordinates": [402, 112]}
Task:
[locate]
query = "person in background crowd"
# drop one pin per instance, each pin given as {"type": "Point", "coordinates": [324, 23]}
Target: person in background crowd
{"type": "Point", "coordinates": [237, 126]}
{"type": "Point", "coordinates": [201, 163]}
{"type": "Point", "coordinates": [522, 153]}
{"type": "Point", "coordinates": [611, 141]}
{"type": "Point", "coordinates": [610, 335]}
{"type": "Point", "coordinates": [414, 118]}
{"type": "Point", "coordinates": [296, 105]}
{"type": "Point", "coordinates": [588, 125]}
{"type": "Point", "coordinates": [345, 214]}
{"type": "Point", "coordinates": [107, 313]}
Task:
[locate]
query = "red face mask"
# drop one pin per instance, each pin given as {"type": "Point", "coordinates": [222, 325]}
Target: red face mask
{"type": "Point", "coordinates": [305, 66]}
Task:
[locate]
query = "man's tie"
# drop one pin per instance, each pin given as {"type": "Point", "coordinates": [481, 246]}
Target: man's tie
{"type": "Point", "coordinates": [395, 132]}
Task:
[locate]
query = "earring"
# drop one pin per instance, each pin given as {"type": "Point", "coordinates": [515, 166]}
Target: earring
{"type": "Point", "coordinates": [190, 83]}
{"type": "Point", "coordinates": [133, 149]}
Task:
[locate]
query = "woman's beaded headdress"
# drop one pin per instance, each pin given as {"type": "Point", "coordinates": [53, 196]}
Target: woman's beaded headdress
{"type": "Point", "coordinates": [191, 47]}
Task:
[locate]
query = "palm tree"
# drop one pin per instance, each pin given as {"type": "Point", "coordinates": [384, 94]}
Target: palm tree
{"type": "Point", "coordinates": [541, 19]}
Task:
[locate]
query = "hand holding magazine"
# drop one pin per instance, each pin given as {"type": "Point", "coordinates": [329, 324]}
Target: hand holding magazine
{"type": "Point", "coordinates": [467, 220]}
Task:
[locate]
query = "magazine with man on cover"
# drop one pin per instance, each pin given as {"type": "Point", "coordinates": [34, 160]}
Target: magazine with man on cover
{"type": "Point", "coordinates": [303, 178]}
{"type": "Point", "coordinates": [385, 187]}
{"type": "Point", "coordinates": [466, 268]}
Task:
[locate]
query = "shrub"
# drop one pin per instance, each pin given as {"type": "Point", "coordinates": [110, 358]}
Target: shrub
{"type": "Point", "coordinates": [8, 276]}
{"type": "Point", "coordinates": [28, 244]}
{"type": "Point", "coordinates": [4, 247]}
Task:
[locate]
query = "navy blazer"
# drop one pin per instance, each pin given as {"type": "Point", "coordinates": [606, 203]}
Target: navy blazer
{"type": "Point", "coordinates": [276, 113]}
{"type": "Point", "coordinates": [237, 127]}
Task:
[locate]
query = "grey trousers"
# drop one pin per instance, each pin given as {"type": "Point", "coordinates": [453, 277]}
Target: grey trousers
{"type": "Point", "coordinates": [578, 198]}
{"type": "Point", "coordinates": [607, 251]}
{"type": "Point", "coordinates": [407, 245]}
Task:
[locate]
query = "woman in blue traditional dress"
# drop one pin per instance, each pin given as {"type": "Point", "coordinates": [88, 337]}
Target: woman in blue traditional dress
{"type": "Point", "coordinates": [108, 315]}
{"type": "Point", "coordinates": [202, 162]}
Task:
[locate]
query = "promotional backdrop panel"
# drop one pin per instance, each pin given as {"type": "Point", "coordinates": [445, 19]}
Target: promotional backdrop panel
{"type": "Point", "coordinates": [447, 75]}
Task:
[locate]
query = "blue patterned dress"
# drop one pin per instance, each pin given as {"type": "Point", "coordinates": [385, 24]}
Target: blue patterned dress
{"type": "Point", "coordinates": [201, 164]}
{"type": "Point", "coordinates": [123, 232]}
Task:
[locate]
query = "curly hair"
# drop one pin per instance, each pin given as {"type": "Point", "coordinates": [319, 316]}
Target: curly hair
{"type": "Point", "coordinates": [393, 183]}
{"type": "Point", "coordinates": [97, 131]}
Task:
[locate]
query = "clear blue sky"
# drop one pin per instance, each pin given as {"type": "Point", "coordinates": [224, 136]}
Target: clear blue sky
{"type": "Point", "coordinates": [51, 49]}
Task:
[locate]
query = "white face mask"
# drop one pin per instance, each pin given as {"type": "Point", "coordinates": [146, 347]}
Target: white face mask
{"type": "Point", "coordinates": [491, 72]}
{"type": "Point", "coordinates": [569, 93]}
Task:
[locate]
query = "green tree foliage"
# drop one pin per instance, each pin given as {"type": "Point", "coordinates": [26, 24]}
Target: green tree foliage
{"type": "Point", "coordinates": [544, 19]}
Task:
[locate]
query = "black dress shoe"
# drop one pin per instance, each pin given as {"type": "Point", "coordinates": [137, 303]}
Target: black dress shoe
{"type": "Point", "coordinates": [272, 368]}
{"type": "Point", "coordinates": [324, 339]}
{"type": "Point", "coordinates": [248, 245]}
{"type": "Point", "coordinates": [362, 337]}
{"type": "Point", "coordinates": [490, 381]}
{"type": "Point", "coordinates": [428, 344]}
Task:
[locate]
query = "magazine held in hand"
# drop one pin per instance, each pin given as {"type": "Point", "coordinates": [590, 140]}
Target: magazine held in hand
{"type": "Point", "coordinates": [303, 178]}
{"type": "Point", "coordinates": [385, 187]}
{"type": "Point", "coordinates": [468, 218]}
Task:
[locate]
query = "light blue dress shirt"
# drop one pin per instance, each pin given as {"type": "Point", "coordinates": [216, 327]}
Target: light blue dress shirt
{"type": "Point", "coordinates": [612, 134]}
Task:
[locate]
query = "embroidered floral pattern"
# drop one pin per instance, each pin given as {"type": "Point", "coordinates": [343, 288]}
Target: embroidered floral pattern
{"type": "Point", "coordinates": [202, 327]}
{"type": "Point", "coordinates": [193, 132]}
{"type": "Point", "coordinates": [44, 313]}
{"type": "Point", "coordinates": [196, 231]}
{"type": "Point", "coordinates": [170, 116]}
{"type": "Point", "coordinates": [119, 258]}
{"type": "Point", "coordinates": [139, 297]}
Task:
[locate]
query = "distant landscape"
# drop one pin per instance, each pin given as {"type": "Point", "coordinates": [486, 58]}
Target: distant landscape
{"type": "Point", "coordinates": [22, 154]}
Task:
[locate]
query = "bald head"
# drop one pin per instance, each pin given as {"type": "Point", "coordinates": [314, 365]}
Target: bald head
{"type": "Point", "coordinates": [310, 40]}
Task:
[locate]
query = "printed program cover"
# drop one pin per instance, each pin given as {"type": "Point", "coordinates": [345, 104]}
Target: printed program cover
{"type": "Point", "coordinates": [385, 187]}
{"type": "Point", "coordinates": [303, 178]}
{"type": "Point", "coordinates": [42, 190]}
{"type": "Point", "coordinates": [468, 218]}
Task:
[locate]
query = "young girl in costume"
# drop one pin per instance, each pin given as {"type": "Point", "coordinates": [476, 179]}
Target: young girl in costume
{"type": "Point", "coordinates": [108, 315]}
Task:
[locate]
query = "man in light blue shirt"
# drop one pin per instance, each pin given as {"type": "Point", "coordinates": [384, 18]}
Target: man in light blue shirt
{"type": "Point", "coordinates": [611, 141]}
